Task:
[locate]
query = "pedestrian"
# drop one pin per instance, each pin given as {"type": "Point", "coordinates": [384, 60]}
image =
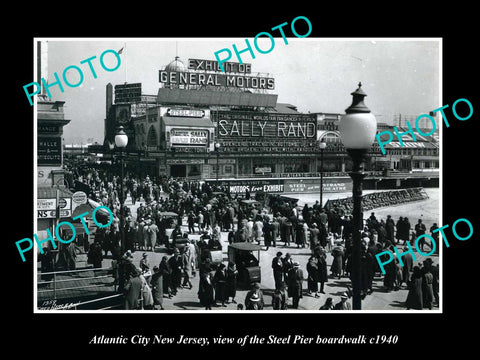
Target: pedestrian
{"type": "Point", "coordinates": [277, 266]}
{"type": "Point", "coordinates": [133, 291]}
{"type": "Point", "coordinates": [153, 232]}
{"type": "Point", "coordinates": [312, 273]}
{"type": "Point", "coordinates": [299, 234]}
{"type": "Point", "coordinates": [186, 268]}
{"type": "Point", "coordinates": [94, 255]}
{"type": "Point", "coordinates": [205, 289]}
{"type": "Point", "coordinates": [220, 280]}
{"type": "Point", "coordinates": [279, 298]}
{"type": "Point", "coordinates": [191, 222]}
{"type": "Point", "coordinates": [415, 296]}
{"type": "Point", "coordinates": [267, 233]}
{"type": "Point", "coordinates": [258, 230]}
{"type": "Point", "coordinates": [166, 272]}
{"type": "Point", "coordinates": [328, 304]}
{"type": "Point", "coordinates": [314, 237]}
{"type": "Point", "coordinates": [427, 284]}
{"type": "Point", "coordinates": [157, 288]}
{"type": "Point", "coordinates": [343, 304]}
{"type": "Point", "coordinates": [295, 285]}
{"type": "Point", "coordinates": [254, 298]}
{"type": "Point", "coordinates": [231, 283]}
{"type": "Point", "coordinates": [407, 268]}
{"type": "Point", "coordinates": [275, 231]}
{"type": "Point", "coordinates": [147, 297]}
{"type": "Point", "coordinates": [322, 268]}
{"type": "Point", "coordinates": [390, 228]}
{"type": "Point", "coordinates": [338, 254]}
{"type": "Point", "coordinates": [175, 263]}
{"type": "Point", "coordinates": [48, 262]}
{"type": "Point", "coordinates": [420, 229]}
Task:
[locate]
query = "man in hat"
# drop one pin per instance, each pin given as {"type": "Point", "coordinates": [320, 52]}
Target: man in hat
{"type": "Point", "coordinates": [254, 298]}
{"type": "Point", "coordinates": [295, 284]}
{"type": "Point", "coordinates": [277, 266]}
{"type": "Point", "coordinates": [343, 304]}
{"type": "Point", "coordinates": [420, 229]}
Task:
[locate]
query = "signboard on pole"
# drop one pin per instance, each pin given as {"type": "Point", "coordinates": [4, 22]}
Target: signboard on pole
{"type": "Point", "coordinates": [128, 93]}
{"type": "Point", "coordinates": [47, 208]}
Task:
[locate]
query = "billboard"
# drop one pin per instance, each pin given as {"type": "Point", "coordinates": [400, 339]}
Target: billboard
{"type": "Point", "coordinates": [128, 93]}
{"type": "Point", "coordinates": [257, 132]}
{"type": "Point", "coordinates": [188, 137]}
{"type": "Point", "coordinates": [225, 80]}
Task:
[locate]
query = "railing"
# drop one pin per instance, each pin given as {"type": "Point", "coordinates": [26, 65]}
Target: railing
{"type": "Point", "coordinates": [62, 281]}
{"type": "Point", "coordinates": [98, 300]}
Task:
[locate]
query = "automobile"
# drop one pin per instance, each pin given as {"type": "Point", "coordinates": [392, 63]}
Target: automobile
{"type": "Point", "coordinates": [248, 266]}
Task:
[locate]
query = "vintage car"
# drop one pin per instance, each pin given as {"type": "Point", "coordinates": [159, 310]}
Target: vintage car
{"type": "Point", "coordinates": [248, 266]}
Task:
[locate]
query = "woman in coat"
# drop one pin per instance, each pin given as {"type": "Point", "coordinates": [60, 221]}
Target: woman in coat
{"type": "Point", "coordinates": [157, 288]}
{"type": "Point", "coordinates": [427, 289]}
{"type": "Point", "coordinates": [322, 269]}
{"type": "Point", "coordinates": [415, 295]}
{"type": "Point", "coordinates": [166, 272]}
{"type": "Point", "coordinates": [220, 281]}
{"type": "Point", "coordinates": [205, 289]}
{"type": "Point", "coordinates": [231, 284]}
{"type": "Point", "coordinates": [312, 280]}
{"type": "Point", "coordinates": [299, 234]}
{"type": "Point", "coordinates": [337, 263]}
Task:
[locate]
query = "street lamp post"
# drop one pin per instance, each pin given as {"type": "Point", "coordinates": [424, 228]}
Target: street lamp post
{"type": "Point", "coordinates": [121, 141]}
{"type": "Point", "coordinates": [217, 150]}
{"type": "Point", "coordinates": [357, 130]}
{"type": "Point", "coordinates": [322, 146]}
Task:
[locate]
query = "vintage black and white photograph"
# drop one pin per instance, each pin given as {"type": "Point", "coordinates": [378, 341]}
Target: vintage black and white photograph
{"type": "Point", "coordinates": [278, 174]}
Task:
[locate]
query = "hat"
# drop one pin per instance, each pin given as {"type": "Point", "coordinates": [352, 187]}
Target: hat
{"type": "Point", "coordinates": [314, 224]}
{"type": "Point", "coordinates": [296, 264]}
{"type": "Point", "coordinates": [144, 255]}
{"type": "Point", "coordinates": [254, 297]}
{"type": "Point", "coordinates": [428, 261]}
{"type": "Point", "coordinates": [344, 296]}
{"type": "Point", "coordinates": [279, 253]}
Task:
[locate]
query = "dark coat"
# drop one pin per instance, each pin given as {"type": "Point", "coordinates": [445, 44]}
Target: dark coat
{"type": "Point", "coordinates": [322, 269]}
{"type": "Point", "coordinates": [279, 300]}
{"type": "Point", "coordinates": [133, 292]}
{"type": "Point", "coordinates": [231, 284]}
{"type": "Point", "coordinates": [157, 288]}
{"type": "Point", "coordinates": [295, 283]}
{"type": "Point", "coordinates": [337, 264]}
{"type": "Point", "coordinates": [220, 281]}
{"type": "Point", "coordinates": [205, 289]}
{"type": "Point", "coordinates": [312, 270]}
{"type": "Point", "coordinates": [414, 297]}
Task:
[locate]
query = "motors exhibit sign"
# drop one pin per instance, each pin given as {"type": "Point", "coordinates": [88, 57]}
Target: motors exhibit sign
{"type": "Point", "coordinates": [243, 131]}
{"type": "Point", "coordinates": [287, 186]}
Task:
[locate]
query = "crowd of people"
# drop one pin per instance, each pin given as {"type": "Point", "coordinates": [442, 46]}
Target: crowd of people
{"type": "Point", "coordinates": [168, 204]}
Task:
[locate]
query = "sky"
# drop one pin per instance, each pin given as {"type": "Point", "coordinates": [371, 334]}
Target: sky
{"type": "Point", "coordinates": [400, 76]}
